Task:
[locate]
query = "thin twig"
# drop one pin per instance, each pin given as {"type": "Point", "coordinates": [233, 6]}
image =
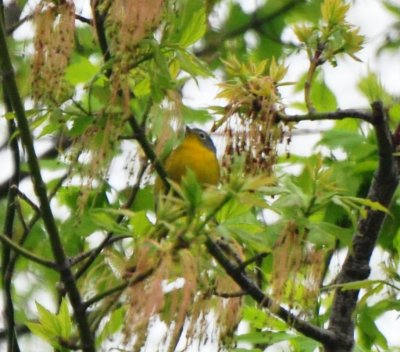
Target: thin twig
{"type": "Point", "coordinates": [82, 256]}
{"type": "Point", "coordinates": [229, 294]}
{"type": "Point", "coordinates": [21, 250]}
{"type": "Point", "coordinates": [84, 19]}
{"type": "Point", "coordinates": [10, 30]}
{"type": "Point", "coordinates": [28, 227]}
{"type": "Point", "coordinates": [314, 63]}
{"type": "Point", "coordinates": [119, 288]}
{"type": "Point", "coordinates": [26, 199]}
{"type": "Point", "coordinates": [256, 258]}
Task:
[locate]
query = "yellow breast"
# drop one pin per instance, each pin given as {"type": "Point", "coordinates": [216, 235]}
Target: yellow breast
{"type": "Point", "coordinates": [192, 154]}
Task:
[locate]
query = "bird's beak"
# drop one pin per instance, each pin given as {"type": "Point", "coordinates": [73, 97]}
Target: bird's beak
{"type": "Point", "coordinates": [187, 129]}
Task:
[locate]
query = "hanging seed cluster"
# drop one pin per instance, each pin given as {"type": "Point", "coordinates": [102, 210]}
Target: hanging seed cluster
{"type": "Point", "coordinates": [100, 142]}
{"type": "Point", "coordinates": [53, 44]}
{"type": "Point", "coordinates": [249, 120]}
{"type": "Point", "coordinates": [287, 259]}
{"type": "Point", "coordinates": [185, 305]}
{"type": "Point", "coordinates": [128, 23]}
{"type": "Point", "coordinates": [297, 269]}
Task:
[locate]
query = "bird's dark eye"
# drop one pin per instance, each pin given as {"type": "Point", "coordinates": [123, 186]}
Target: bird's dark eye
{"type": "Point", "coordinates": [202, 135]}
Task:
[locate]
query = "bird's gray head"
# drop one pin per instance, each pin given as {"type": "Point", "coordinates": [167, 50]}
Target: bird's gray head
{"type": "Point", "coordinates": [203, 137]}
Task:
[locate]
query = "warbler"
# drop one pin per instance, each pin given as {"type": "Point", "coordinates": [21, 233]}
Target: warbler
{"type": "Point", "coordinates": [197, 152]}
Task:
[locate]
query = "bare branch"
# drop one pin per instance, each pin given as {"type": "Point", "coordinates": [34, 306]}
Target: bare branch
{"type": "Point", "coordinates": [356, 266]}
{"type": "Point", "coordinates": [365, 115]}
{"type": "Point", "coordinates": [21, 250]}
{"type": "Point", "coordinates": [12, 208]}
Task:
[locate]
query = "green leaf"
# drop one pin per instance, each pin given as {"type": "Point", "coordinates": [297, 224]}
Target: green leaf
{"type": "Point", "coordinates": [334, 11]}
{"type": "Point", "coordinates": [190, 23]}
{"type": "Point", "coordinates": [48, 319]}
{"type": "Point", "coordinates": [79, 125]}
{"type": "Point", "coordinates": [144, 199]}
{"type": "Point", "coordinates": [112, 326]}
{"type": "Point", "coordinates": [369, 332]}
{"type": "Point", "coordinates": [141, 225]}
{"type": "Point", "coordinates": [325, 233]}
{"type": "Point", "coordinates": [192, 190]}
{"type": "Point", "coordinates": [368, 203]}
{"type": "Point", "coordinates": [195, 115]}
{"type": "Point", "coordinates": [103, 218]}
{"type": "Point", "coordinates": [351, 142]}
{"type": "Point", "coordinates": [259, 319]}
{"type": "Point", "coordinates": [52, 327]}
{"type": "Point", "coordinates": [265, 337]}
{"type": "Point", "coordinates": [372, 88]}
{"type": "Point", "coordinates": [354, 285]}
{"type": "Point", "coordinates": [142, 88]}
{"type": "Point", "coordinates": [64, 318]}
{"type": "Point", "coordinates": [192, 65]}
{"type": "Point", "coordinates": [41, 331]}
{"type": "Point", "coordinates": [81, 70]}
{"type": "Point", "coordinates": [237, 18]}
{"type": "Point", "coordinates": [322, 96]}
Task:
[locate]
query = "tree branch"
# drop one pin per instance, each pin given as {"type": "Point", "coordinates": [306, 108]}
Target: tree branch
{"type": "Point", "coordinates": [28, 227]}
{"type": "Point", "coordinates": [19, 330]}
{"type": "Point", "coordinates": [21, 250]}
{"type": "Point", "coordinates": [365, 115]}
{"type": "Point", "coordinates": [240, 277]}
{"type": "Point", "coordinates": [24, 197]}
{"type": "Point", "coordinates": [7, 269]}
{"type": "Point", "coordinates": [40, 190]}
{"type": "Point", "coordinates": [98, 20]}
{"type": "Point", "coordinates": [236, 272]}
{"type": "Point", "coordinates": [356, 265]}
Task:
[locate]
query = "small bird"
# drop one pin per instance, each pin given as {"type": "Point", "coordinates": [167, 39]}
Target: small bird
{"type": "Point", "coordinates": [197, 152]}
